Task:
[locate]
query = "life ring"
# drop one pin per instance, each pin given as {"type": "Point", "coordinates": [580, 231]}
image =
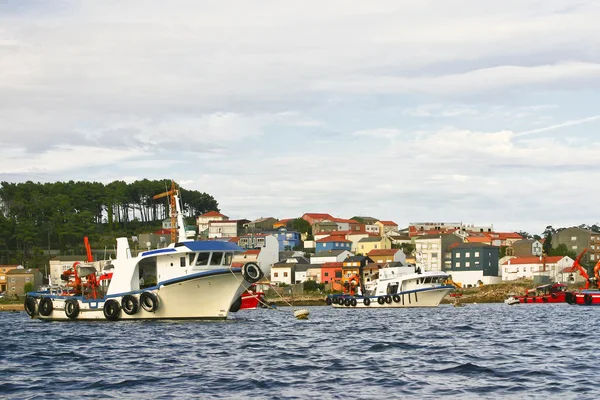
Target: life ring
{"type": "Point", "coordinates": [149, 301]}
{"type": "Point", "coordinates": [45, 308]}
{"type": "Point", "coordinates": [381, 300]}
{"type": "Point", "coordinates": [252, 272]}
{"type": "Point", "coordinates": [237, 304]}
{"type": "Point", "coordinates": [553, 295]}
{"type": "Point", "coordinates": [388, 299]}
{"type": "Point", "coordinates": [367, 301]}
{"type": "Point", "coordinates": [130, 304]}
{"type": "Point", "coordinates": [396, 298]}
{"type": "Point", "coordinates": [569, 298]}
{"type": "Point", "coordinates": [587, 299]}
{"type": "Point", "coordinates": [72, 308]}
{"type": "Point", "coordinates": [353, 302]}
{"type": "Point", "coordinates": [328, 300]}
{"type": "Point", "coordinates": [347, 302]}
{"type": "Point", "coordinates": [30, 306]}
{"type": "Point", "coordinates": [112, 310]}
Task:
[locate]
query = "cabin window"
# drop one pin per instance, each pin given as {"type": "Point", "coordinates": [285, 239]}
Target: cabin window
{"type": "Point", "coordinates": [427, 280]}
{"type": "Point", "coordinates": [392, 289]}
{"type": "Point", "coordinates": [216, 258]}
{"type": "Point", "coordinates": [202, 258]}
{"type": "Point", "coordinates": [228, 259]}
{"type": "Point", "coordinates": [147, 273]}
{"type": "Point", "coordinates": [182, 261]}
{"type": "Point", "coordinates": [191, 257]}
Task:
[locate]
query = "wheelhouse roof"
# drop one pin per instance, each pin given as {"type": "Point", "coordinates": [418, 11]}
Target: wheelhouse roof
{"type": "Point", "coordinates": [211, 245]}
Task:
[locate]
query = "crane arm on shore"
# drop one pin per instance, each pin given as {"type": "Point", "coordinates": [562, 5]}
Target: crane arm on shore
{"type": "Point", "coordinates": [582, 270]}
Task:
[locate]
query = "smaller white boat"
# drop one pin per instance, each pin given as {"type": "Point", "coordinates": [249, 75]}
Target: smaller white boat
{"type": "Point", "coordinates": [511, 299]}
{"type": "Point", "coordinates": [397, 287]}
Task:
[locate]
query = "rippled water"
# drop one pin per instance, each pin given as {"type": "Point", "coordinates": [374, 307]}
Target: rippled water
{"type": "Point", "coordinates": [478, 351]}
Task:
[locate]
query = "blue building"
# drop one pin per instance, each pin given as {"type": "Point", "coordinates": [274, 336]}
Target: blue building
{"type": "Point", "coordinates": [474, 264]}
{"type": "Point", "coordinates": [333, 243]}
{"type": "Point", "coordinates": [288, 240]}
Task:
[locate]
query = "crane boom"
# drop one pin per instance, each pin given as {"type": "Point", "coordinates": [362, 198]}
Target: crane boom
{"type": "Point", "coordinates": [173, 207]}
{"type": "Point", "coordinates": [582, 270]}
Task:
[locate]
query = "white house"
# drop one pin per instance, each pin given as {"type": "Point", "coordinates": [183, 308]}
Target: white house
{"type": "Point", "coordinates": [528, 267]}
{"type": "Point", "coordinates": [284, 271]}
{"type": "Point", "coordinates": [330, 256]}
{"type": "Point", "coordinates": [203, 220]}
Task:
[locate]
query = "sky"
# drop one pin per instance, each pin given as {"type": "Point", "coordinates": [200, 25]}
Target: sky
{"type": "Point", "coordinates": [442, 110]}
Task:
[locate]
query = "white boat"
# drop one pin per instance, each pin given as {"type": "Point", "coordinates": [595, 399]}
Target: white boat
{"type": "Point", "coordinates": [511, 300]}
{"type": "Point", "coordinates": [188, 279]}
{"type": "Point", "coordinates": [397, 287]}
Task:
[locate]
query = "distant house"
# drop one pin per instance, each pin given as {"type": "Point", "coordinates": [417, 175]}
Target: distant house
{"type": "Point", "coordinates": [226, 228]}
{"type": "Point", "coordinates": [384, 256]}
{"type": "Point", "coordinates": [525, 248]}
{"type": "Point", "coordinates": [386, 227]}
{"type": "Point", "coordinates": [284, 271]}
{"type": "Point", "coordinates": [576, 239]}
{"type": "Point", "coordinates": [528, 267]}
{"type": "Point", "coordinates": [19, 277]}
{"type": "Point", "coordinates": [3, 278]}
{"type": "Point", "coordinates": [260, 224]}
{"type": "Point", "coordinates": [356, 265]}
{"type": "Point", "coordinates": [203, 221]}
{"type": "Point", "coordinates": [288, 239]}
{"type": "Point", "coordinates": [330, 256]}
{"type": "Point", "coordinates": [365, 245]}
{"type": "Point", "coordinates": [474, 263]}
{"type": "Point", "coordinates": [312, 218]}
{"type": "Point", "coordinates": [331, 274]}
{"type": "Point", "coordinates": [325, 226]}
{"type": "Point", "coordinates": [333, 243]}
{"type": "Point", "coordinates": [433, 251]}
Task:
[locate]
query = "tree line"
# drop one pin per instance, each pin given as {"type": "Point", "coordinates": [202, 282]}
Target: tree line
{"type": "Point", "coordinates": [56, 216]}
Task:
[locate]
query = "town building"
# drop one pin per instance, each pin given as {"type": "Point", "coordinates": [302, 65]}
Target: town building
{"type": "Point", "coordinates": [288, 239]}
{"type": "Point", "coordinates": [284, 271]}
{"type": "Point", "coordinates": [331, 274]}
{"type": "Point", "coordinates": [525, 248]}
{"type": "Point", "coordinates": [365, 245]}
{"type": "Point", "coordinates": [3, 277]}
{"type": "Point", "coordinates": [203, 221]}
{"type": "Point", "coordinates": [330, 256]}
{"type": "Point", "coordinates": [333, 242]}
{"type": "Point", "coordinates": [260, 224]}
{"type": "Point", "coordinates": [577, 239]}
{"type": "Point", "coordinates": [386, 256]}
{"type": "Point", "coordinates": [475, 264]}
{"type": "Point", "coordinates": [433, 252]}
{"type": "Point", "coordinates": [19, 277]}
{"type": "Point", "coordinates": [387, 227]}
{"type": "Point", "coordinates": [528, 267]}
{"type": "Point", "coordinates": [226, 228]}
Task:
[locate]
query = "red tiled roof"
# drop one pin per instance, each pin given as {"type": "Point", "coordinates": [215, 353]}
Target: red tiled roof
{"type": "Point", "coordinates": [340, 233]}
{"type": "Point", "coordinates": [533, 260]}
{"type": "Point", "coordinates": [318, 216]}
{"type": "Point", "coordinates": [332, 265]}
{"type": "Point", "coordinates": [478, 239]}
{"type": "Point", "coordinates": [388, 223]}
{"type": "Point", "coordinates": [349, 221]}
{"type": "Point", "coordinates": [383, 252]}
{"type": "Point", "coordinates": [333, 239]}
{"type": "Point", "coordinates": [213, 214]}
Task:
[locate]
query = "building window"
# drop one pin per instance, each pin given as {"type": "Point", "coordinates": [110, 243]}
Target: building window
{"type": "Point", "coordinates": [28, 279]}
{"type": "Point", "coordinates": [457, 255]}
{"type": "Point", "coordinates": [13, 280]}
{"type": "Point", "coordinates": [574, 247]}
{"type": "Point", "coordinates": [476, 264]}
{"type": "Point", "coordinates": [457, 265]}
{"type": "Point", "coordinates": [275, 274]}
{"type": "Point", "coordinates": [476, 254]}
{"type": "Point", "coordinates": [467, 264]}
{"type": "Point", "coordinates": [434, 255]}
{"type": "Point", "coordinates": [573, 238]}
{"type": "Point", "coordinates": [285, 274]}
{"type": "Point", "coordinates": [467, 254]}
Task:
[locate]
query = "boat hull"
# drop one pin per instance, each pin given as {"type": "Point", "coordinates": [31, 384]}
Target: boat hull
{"type": "Point", "coordinates": [199, 296]}
{"type": "Point", "coordinates": [560, 297]}
{"type": "Point", "coordinates": [430, 297]}
{"type": "Point", "coordinates": [251, 301]}
{"type": "Point", "coordinates": [587, 298]}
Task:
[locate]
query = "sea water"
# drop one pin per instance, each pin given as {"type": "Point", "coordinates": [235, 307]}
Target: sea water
{"type": "Point", "coordinates": [483, 351]}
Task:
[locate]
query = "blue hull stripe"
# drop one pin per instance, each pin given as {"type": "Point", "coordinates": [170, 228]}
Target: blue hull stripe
{"type": "Point", "coordinates": [203, 274]}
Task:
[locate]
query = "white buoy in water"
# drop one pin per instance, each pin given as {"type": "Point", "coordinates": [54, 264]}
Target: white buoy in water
{"type": "Point", "coordinates": [302, 313]}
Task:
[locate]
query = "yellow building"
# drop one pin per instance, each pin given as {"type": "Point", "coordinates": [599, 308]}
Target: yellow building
{"type": "Point", "coordinates": [365, 245]}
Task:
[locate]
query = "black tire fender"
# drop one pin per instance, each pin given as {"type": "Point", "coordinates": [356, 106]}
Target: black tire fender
{"type": "Point", "coordinates": [30, 306]}
{"type": "Point", "coordinates": [328, 300]}
{"type": "Point", "coordinates": [130, 304]}
{"type": "Point", "coordinates": [367, 301]}
{"type": "Point", "coordinates": [252, 272]}
{"type": "Point", "coordinates": [72, 308]}
{"type": "Point", "coordinates": [388, 299]}
{"type": "Point", "coordinates": [149, 301]}
{"type": "Point", "coordinates": [381, 300]}
{"type": "Point", "coordinates": [111, 309]}
{"type": "Point", "coordinates": [396, 298]}
{"type": "Point", "coordinates": [46, 306]}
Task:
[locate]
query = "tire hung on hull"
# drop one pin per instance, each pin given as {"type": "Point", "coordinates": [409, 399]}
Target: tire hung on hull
{"type": "Point", "coordinates": [72, 308]}
{"type": "Point", "coordinates": [252, 272]}
{"type": "Point", "coordinates": [130, 304]}
{"type": "Point", "coordinates": [30, 306]}
{"type": "Point", "coordinates": [46, 306]}
{"type": "Point", "coordinates": [149, 301]}
{"type": "Point", "coordinates": [112, 310]}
